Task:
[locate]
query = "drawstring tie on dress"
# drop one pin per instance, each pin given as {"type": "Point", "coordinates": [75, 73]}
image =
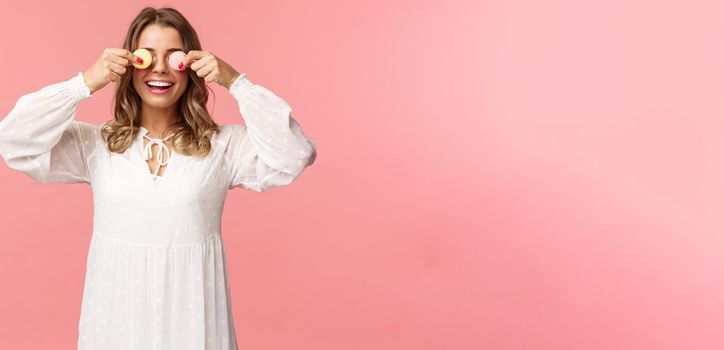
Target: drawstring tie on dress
{"type": "Point", "coordinates": [148, 152]}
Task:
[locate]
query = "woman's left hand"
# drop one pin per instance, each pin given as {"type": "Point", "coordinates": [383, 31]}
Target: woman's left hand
{"type": "Point", "coordinates": [210, 67]}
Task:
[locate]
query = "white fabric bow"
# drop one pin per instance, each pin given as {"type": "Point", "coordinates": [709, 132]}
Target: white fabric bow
{"type": "Point", "coordinates": [148, 152]}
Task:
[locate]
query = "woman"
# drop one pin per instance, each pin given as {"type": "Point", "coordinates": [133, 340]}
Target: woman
{"type": "Point", "coordinates": [160, 170]}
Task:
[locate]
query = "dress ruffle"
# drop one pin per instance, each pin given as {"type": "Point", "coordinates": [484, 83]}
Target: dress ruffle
{"type": "Point", "coordinates": [135, 297]}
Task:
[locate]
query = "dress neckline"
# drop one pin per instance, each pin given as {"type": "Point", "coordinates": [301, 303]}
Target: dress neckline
{"type": "Point", "coordinates": [147, 152]}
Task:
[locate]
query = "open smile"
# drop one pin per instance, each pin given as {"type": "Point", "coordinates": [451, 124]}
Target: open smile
{"type": "Point", "coordinates": [158, 87]}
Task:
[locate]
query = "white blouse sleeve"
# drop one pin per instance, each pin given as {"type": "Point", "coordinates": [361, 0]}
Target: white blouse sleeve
{"type": "Point", "coordinates": [40, 138]}
{"type": "Point", "coordinates": [270, 150]}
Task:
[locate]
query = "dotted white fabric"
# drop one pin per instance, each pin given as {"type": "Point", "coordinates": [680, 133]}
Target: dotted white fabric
{"type": "Point", "coordinates": [156, 273]}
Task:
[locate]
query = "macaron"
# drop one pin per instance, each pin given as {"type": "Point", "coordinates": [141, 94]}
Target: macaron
{"type": "Point", "coordinates": [145, 55]}
{"type": "Point", "coordinates": [176, 59]}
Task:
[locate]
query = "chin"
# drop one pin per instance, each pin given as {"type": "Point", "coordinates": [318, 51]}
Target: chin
{"type": "Point", "coordinates": [154, 100]}
{"type": "Point", "coordinates": [158, 104]}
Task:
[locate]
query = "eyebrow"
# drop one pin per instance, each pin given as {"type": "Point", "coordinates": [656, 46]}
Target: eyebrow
{"type": "Point", "coordinates": [169, 50]}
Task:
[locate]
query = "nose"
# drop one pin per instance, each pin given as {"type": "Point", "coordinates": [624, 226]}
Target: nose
{"type": "Point", "coordinates": [159, 64]}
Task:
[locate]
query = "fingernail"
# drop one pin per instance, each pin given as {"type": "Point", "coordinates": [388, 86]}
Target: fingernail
{"type": "Point", "coordinates": [181, 66]}
{"type": "Point", "coordinates": [139, 60]}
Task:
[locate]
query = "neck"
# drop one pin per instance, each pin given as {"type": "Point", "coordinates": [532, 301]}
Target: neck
{"type": "Point", "coordinates": [157, 120]}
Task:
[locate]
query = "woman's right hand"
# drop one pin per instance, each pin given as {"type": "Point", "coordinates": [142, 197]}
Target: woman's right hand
{"type": "Point", "coordinates": [109, 67]}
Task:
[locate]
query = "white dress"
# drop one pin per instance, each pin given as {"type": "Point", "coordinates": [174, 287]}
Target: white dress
{"type": "Point", "coordinates": [156, 273]}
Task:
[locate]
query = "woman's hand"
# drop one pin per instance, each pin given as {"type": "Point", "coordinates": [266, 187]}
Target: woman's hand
{"type": "Point", "coordinates": [109, 67]}
{"type": "Point", "coordinates": [210, 67]}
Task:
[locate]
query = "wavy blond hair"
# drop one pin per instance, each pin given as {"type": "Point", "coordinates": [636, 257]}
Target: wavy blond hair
{"type": "Point", "coordinates": [192, 132]}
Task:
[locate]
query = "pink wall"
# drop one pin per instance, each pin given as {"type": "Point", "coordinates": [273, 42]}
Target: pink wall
{"type": "Point", "coordinates": [490, 175]}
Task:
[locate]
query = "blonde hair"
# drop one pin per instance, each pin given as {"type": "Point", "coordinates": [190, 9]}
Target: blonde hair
{"type": "Point", "coordinates": [192, 132]}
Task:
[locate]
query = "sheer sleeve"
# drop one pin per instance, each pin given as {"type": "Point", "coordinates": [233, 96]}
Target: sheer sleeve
{"type": "Point", "coordinates": [271, 149]}
{"type": "Point", "coordinates": [41, 138]}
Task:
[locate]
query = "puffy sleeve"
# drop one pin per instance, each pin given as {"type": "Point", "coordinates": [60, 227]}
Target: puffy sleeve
{"type": "Point", "coordinates": [41, 138]}
{"type": "Point", "coordinates": [271, 149]}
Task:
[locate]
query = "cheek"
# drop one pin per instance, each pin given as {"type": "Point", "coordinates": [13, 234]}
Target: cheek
{"type": "Point", "coordinates": [182, 77]}
{"type": "Point", "coordinates": [182, 82]}
{"type": "Point", "coordinates": [136, 78]}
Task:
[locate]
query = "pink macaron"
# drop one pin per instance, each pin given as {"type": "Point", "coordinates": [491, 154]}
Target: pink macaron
{"type": "Point", "coordinates": [176, 59]}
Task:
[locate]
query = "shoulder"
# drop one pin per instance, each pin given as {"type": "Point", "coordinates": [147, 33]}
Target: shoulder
{"type": "Point", "coordinates": [228, 133]}
{"type": "Point", "coordinates": [87, 131]}
{"type": "Point", "coordinates": [87, 126]}
{"type": "Point", "coordinates": [89, 135]}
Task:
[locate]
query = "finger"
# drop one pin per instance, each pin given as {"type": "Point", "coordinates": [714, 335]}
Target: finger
{"type": "Point", "coordinates": [118, 59]}
{"type": "Point", "coordinates": [205, 70]}
{"type": "Point", "coordinates": [117, 68]}
{"type": "Point", "coordinates": [211, 77]}
{"type": "Point", "coordinates": [114, 76]}
{"type": "Point", "coordinates": [192, 56]}
{"type": "Point", "coordinates": [128, 55]}
{"type": "Point", "coordinates": [204, 61]}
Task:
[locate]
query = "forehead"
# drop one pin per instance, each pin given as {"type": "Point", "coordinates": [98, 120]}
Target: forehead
{"type": "Point", "coordinates": [159, 37]}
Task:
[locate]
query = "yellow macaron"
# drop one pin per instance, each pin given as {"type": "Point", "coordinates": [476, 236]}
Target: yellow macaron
{"type": "Point", "coordinates": [145, 55]}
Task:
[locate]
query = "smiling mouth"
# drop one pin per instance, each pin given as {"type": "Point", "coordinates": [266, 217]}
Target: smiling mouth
{"type": "Point", "coordinates": [158, 89]}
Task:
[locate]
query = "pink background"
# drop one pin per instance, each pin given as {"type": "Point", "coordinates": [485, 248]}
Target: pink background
{"type": "Point", "coordinates": [490, 174]}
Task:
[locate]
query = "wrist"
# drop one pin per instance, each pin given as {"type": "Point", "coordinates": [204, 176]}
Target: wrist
{"type": "Point", "coordinates": [85, 80]}
{"type": "Point", "coordinates": [231, 81]}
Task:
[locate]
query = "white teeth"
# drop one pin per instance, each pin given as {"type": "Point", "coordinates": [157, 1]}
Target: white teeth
{"type": "Point", "coordinates": [158, 83]}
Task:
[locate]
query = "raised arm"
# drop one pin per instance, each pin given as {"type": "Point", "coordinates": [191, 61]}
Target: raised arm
{"type": "Point", "coordinates": [40, 137]}
{"type": "Point", "coordinates": [271, 149]}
